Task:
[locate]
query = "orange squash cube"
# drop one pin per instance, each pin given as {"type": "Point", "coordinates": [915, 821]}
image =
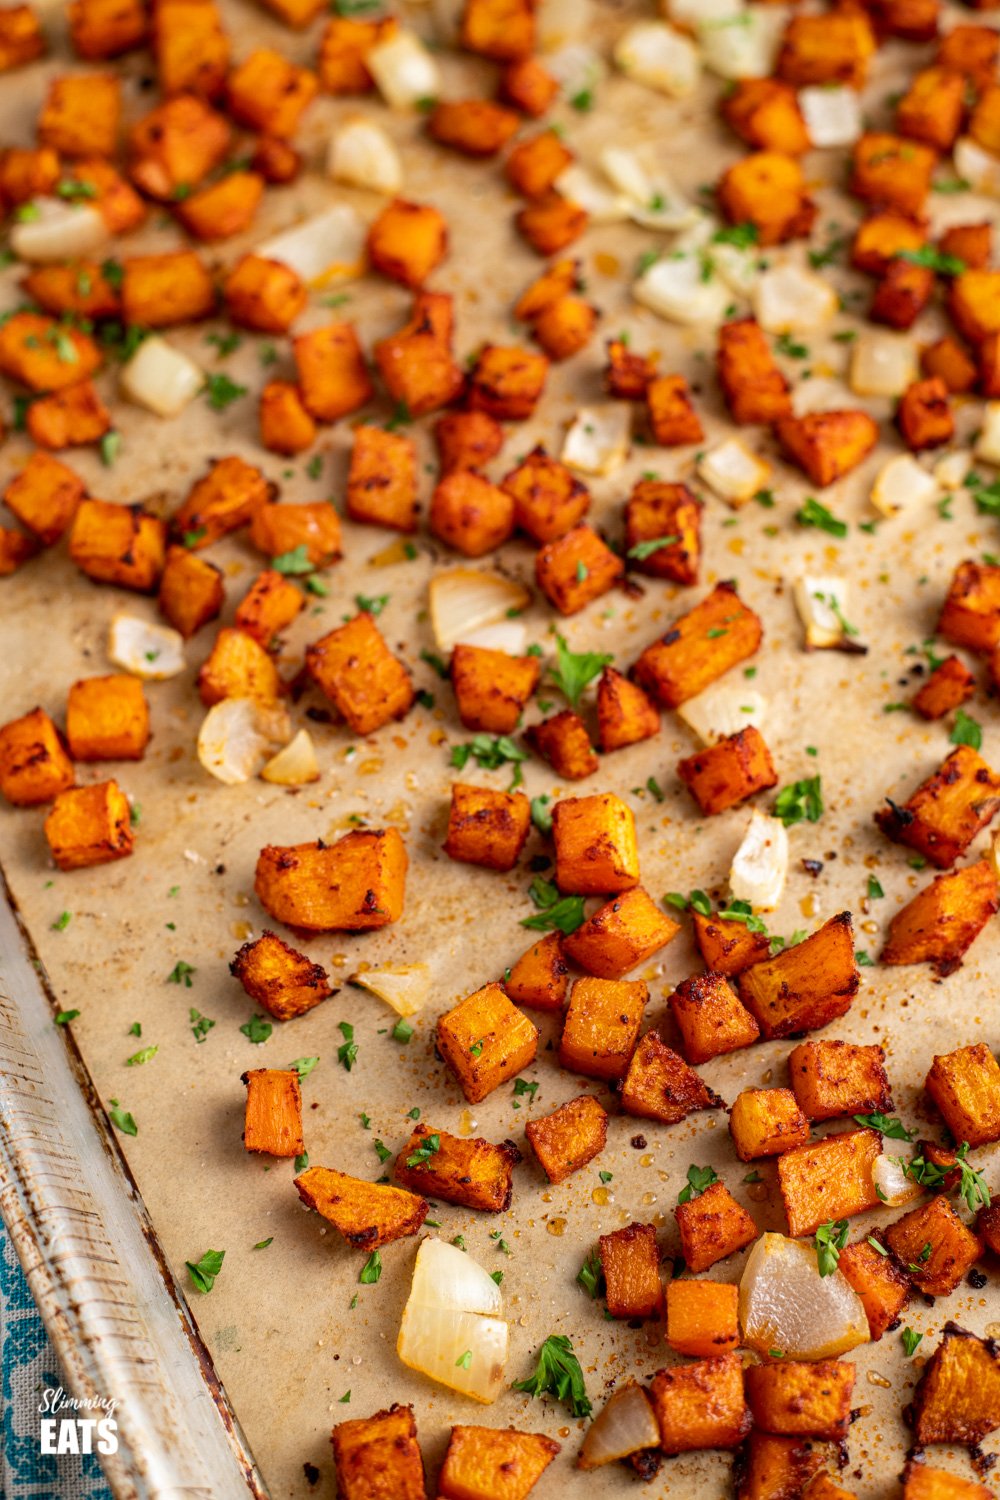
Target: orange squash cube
{"type": "Point", "coordinates": [89, 825]}
{"type": "Point", "coordinates": [602, 1026]}
{"type": "Point", "coordinates": [536, 162]}
{"type": "Point", "coordinates": [27, 172]}
{"type": "Point", "coordinates": [884, 1288]}
{"type": "Point", "coordinates": [350, 886]}
{"type": "Point", "coordinates": [620, 935]}
{"type": "Point", "coordinates": [237, 667]}
{"type": "Point", "coordinates": [276, 161]}
{"type": "Point", "coordinates": [225, 208]}
{"type": "Point", "coordinates": [333, 376]}
{"type": "Point", "coordinates": [767, 190]}
{"type": "Point", "coordinates": [269, 605]}
{"type": "Point", "coordinates": [21, 37]}
{"type": "Point", "coordinates": [557, 281]}
{"type": "Point", "coordinates": [663, 530]}
{"type": "Point", "coordinates": [701, 1405]}
{"type": "Point", "coordinates": [913, 20]}
{"type": "Point", "coordinates": [501, 30]}
{"type": "Point", "coordinates": [473, 1173]}
{"type": "Point", "coordinates": [965, 1086]}
{"type": "Point", "coordinates": [829, 444]}
{"type": "Point", "coordinates": [285, 425]}
{"type": "Point", "coordinates": [567, 326]}
{"type": "Point", "coordinates": [882, 237]}
{"type": "Point", "coordinates": [107, 718]}
{"type": "Point", "coordinates": [893, 172]}
{"type": "Point", "coordinates": [382, 479]}
{"type": "Point", "coordinates": [766, 1122]}
{"type": "Point", "coordinates": [795, 1399]}
{"type": "Point", "coordinates": [540, 977]}
{"type": "Point", "coordinates": [777, 1468]}
{"type": "Point", "coordinates": [829, 49]}
{"type": "Point", "coordinates": [728, 947]}
{"type": "Point", "coordinates": [957, 1399]}
{"type": "Point", "coordinates": [752, 383]}
{"type": "Point", "coordinates": [829, 1179]}
{"type": "Point", "coordinates": [44, 355]}
{"type": "Point", "coordinates": [920, 1481]}
{"type": "Point", "coordinates": [569, 1138]}
{"type": "Point", "coordinates": [265, 295]}
{"type": "Point", "coordinates": [942, 817]}
{"type": "Point", "coordinates": [44, 497]}
{"type": "Point", "coordinates": [416, 364]}
{"type": "Point", "coordinates": [933, 107]}
{"type": "Point", "coordinates": [834, 1078]}
{"type": "Point", "coordinates": [118, 203]}
{"type": "Point", "coordinates": [191, 48]}
{"type": "Point", "coordinates": [81, 289]}
{"type": "Point", "coordinates": [470, 514]}
{"type": "Point", "coordinates": [507, 382]}
{"type": "Point", "coordinates": [486, 827]}
{"type": "Point", "coordinates": [729, 772]}
{"type": "Point", "coordinates": [954, 1249]}
{"type": "Point", "coordinates": [595, 843]}
{"type": "Point", "coordinates": [563, 741]}
{"type": "Point", "coordinates": [344, 45]}
{"type": "Point", "coordinates": [280, 979]}
{"type": "Point", "coordinates": [630, 1260]}
{"type": "Point", "coordinates": [626, 374]}
{"type": "Point", "coordinates": [81, 115]}
{"type": "Point", "coordinates": [943, 919]}
{"type": "Point", "coordinates": [901, 294]}
{"type": "Point", "coordinates": [159, 291]}
{"type": "Point", "coordinates": [380, 1448]}
{"type": "Point", "coordinates": [924, 415]}
{"type": "Point", "coordinates": [624, 713]}
{"type": "Point", "coordinates": [354, 668]}
{"type": "Point", "coordinates": [673, 420]}
{"type": "Point", "coordinates": [699, 648]}
{"type": "Point", "coordinates": [659, 1085]}
{"type": "Point", "coordinates": [710, 1018]}
{"type": "Point", "coordinates": [702, 1317]}
{"type": "Point", "coordinates": [948, 686]}
{"type": "Point", "coordinates": [70, 418]}
{"type": "Point", "coordinates": [492, 688]}
{"type": "Point", "coordinates": [34, 766]}
{"type": "Point", "coordinates": [118, 544]}
{"type": "Point", "coordinates": [551, 223]}
{"type": "Point", "coordinates": [273, 1121]}
{"type": "Point", "coordinates": [367, 1214]}
{"type": "Point", "coordinates": [971, 51]}
{"type": "Point", "coordinates": [484, 1463]}
{"type": "Point", "coordinates": [474, 127]}
{"type": "Point", "coordinates": [486, 1041]}
{"type": "Point", "coordinates": [221, 501]}
{"type": "Point", "coordinates": [105, 28]}
{"type": "Point", "coordinates": [267, 92]}
{"type": "Point", "coordinates": [712, 1226]}
{"type": "Point", "coordinates": [576, 569]}
{"type": "Point", "coordinates": [407, 241]}
{"type": "Point", "coordinates": [466, 440]}
{"type": "Point", "coordinates": [970, 243]}
{"type": "Point", "coordinates": [191, 591]}
{"type": "Point", "coordinates": [279, 529]}
{"type": "Point", "coordinates": [804, 987]}
{"type": "Point", "coordinates": [947, 360]}
{"type": "Point", "coordinates": [549, 500]}
{"type": "Point", "coordinates": [765, 113]}
{"type": "Point", "coordinates": [970, 615]}
{"type": "Point", "coordinates": [528, 86]}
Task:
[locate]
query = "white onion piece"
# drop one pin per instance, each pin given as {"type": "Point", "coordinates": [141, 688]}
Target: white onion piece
{"type": "Point", "coordinates": [626, 1424]}
{"type": "Point", "coordinates": [893, 1186]}
{"type": "Point", "coordinates": [560, 21]}
{"type": "Point", "coordinates": [581, 186]}
{"type": "Point", "coordinates": [733, 471]}
{"type": "Point", "coordinates": [598, 441]}
{"type": "Point", "coordinates": [58, 231]}
{"type": "Point", "coordinates": [977, 167]}
{"type": "Point", "coordinates": [238, 736]}
{"type": "Point", "coordinates": [744, 45]}
{"type": "Point", "coordinates": [655, 54]}
{"type": "Point", "coordinates": [406, 987]}
{"type": "Point", "coordinates": [722, 710]}
{"type": "Point", "coordinates": [404, 71]}
{"type": "Point", "coordinates": [679, 290]}
{"type": "Point", "coordinates": [823, 620]}
{"type": "Point", "coordinates": [153, 652]}
{"type": "Point", "coordinates": [653, 199]}
{"type": "Point", "coordinates": [509, 636]}
{"type": "Point", "coordinates": [363, 155]}
{"type": "Point", "coordinates": [902, 484]}
{"type": "Point", "coordinates": [446, 1277]}
{"type": "Point", "coordinates": [695, 13]}
{"type": "Point", "coordinates": [463, 600]}
{"type": "Point", "coordinates": [330, 246]}
{"type": "Point", "coordinates": [453, 1328]}
{"type": "Point", "coordinates": [786, 1304]}
{"type": "Point", "coordinates": [577, 68]}
{"type": "Point", "coordinates": [760, 865]}
{"type": "Point", "coordinates": [832, 115]}
{"type": "Point", "coordinates": [791, 298]}
{"type": "Point", "coordinates": [882, 364]}
{"type": "Point", "coordinates": [295, 765]}
{"type": "Point", "coordinates": [738, 268]}
{"type": "Point", "coordinates": [950, 471]}
{"type": "Point", "coordinates": [160, 378]}
{"type": "Point", "coordinates": [988, 442]}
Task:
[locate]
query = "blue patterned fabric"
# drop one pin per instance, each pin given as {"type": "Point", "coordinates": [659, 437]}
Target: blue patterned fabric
{"type": "Point", "coordinates": [29, 1367]}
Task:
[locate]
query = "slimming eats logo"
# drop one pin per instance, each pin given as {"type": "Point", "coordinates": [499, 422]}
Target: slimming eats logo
{"type": "Point", "coordinates": [67, 1425]}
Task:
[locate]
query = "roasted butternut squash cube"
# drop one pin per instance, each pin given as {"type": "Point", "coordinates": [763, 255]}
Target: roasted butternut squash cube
{"type": "Point", "coordinates": [880, 239]}
{"type": "Point", "coordinates": [702, 1317]}
{"type": "Point", "coordinates": [970, 615]}
{"type": "Point", "coordinates": [942, 817]}
{"type": "Point", "coordinates": [484, 1463]}
{"type": "Point", "coordinates": [965, 1086]}
{"type": "Point", "coordinates": [767, 190]}
{"type": "Point", "coordinates": [827, 445]}
{"type": "Point", "coordinates": [382, 479]}
{"type": "Point", "coordinates": [367, 1214]}
{"type": "Point", "coordinates": [161, 290]}
{"type": "Point", "coordinates": [622, 934]}
{"type": "Point", "coordinates": [237, 667]}
{"type": "Point", "coordinates": [466, 440]}
{"type": "Point", "coordinates": [659, 1085]}
{"type": "Point", "coordinates": [795, 1399]}
{"type": "Point", "coordinates": [268, 92]}
{"type": "Point", "coordinates": [551, 223]}
{"type": "Point", "coordinates": [273, 1122]}
{"type": "Point", "coordinates": [912, 20]}
{"type": "Point", "coordinates": [948, 686]}
{"type": "Point", "coordinates": [776, 1468]}
{"type": "Point", "coordinates": [225, 208]}
{"type": "Point", "coordinates": [486, 827]}
{"type": "Point", "coordinates": [344, 46]}
{"type": "Point", "coordinates": [191, 48]}
{"type": "Point", "coordinates": [892, 172]}
{"type": "Point", "coordinates": [626, 374]}
{"type": "Point", "coordinates": [118, 203]}
{"type": "Point", "coordinates": [563, 741]}
{"type": "Point", "coordinates": [970, 243]}
{"type": "Point", "coordinates": [349, 886]}
{"type": "Point", "coordinates": [921, 1482]}
{"type": "Point", "coordinates": [569, 1138]}
{"type": "Point", "coordinates": [595, 842]}
{"type": "Point", "coordinates": [105, 28]}
{"type": "Point", "coordinates": [45, 355]}
{"type": "Point", "coordinates": [354, 668]}
{"type": "Point", "coordinates": [269, 605]}
{"type": "Point", "coordinates": [416, 364]}
{"type": "Point", "coordinates": [549, 500]}
{"type": "Point", "coordinates": [957, 1399]}
{"type": "Point", "coordinates": [947, 360]}
{"type": "Point", "coordinates": [602, 1026]}
{"type": "Point", "coordinates": [89, 825]}
{"type": "Point", "coordinates": [536, 162]}
{"type": "Point", "coordinates": [107, 718]}
{"type": "Point", "coordinates": [835, 1078]}
{"type": "Point", "coordinates": [712, 1226]}
{"type": "Point", "coordinates": [943, 919]}
{"type": "Point", "coordinates": [972, 304]}
{"type": "Point", "coordinates": [765, 113]}
{"type": "Point", "coordinates": [119, 544]}
{"type": "Point", "coordinates": [729, 772]}
{"type": "Point", "coordinates": [556, 281]}
{"type": "Point", "coordinates": [28, 172]}
{"type": "Point", "coordinates": [971, 51]}
{"type": "Point", "coordinates": [276, 161]}
{"type": "Point", "coordinates": [576, 569]}
{"type": "Point", "coordinates": [624, 713]}
{"type": "Point", "coordinates": [44, 497]}
{"type": "Point", "coordinates": [663, 530]}
{"type": "Point", "coordinates": [528, 86]}
{"type": "Point", "coordinates": [81, 115]}
{"type": "Point", "coordinates": [901, 295]}
{"type": "Point", "coordinates": [486, 1041]}
{"type": "Point", "coordinates": [988, 1226]}
{"type": "Point", "coordinates": [673, 420]}
{"type": "Point", "coordinates": [729, 947]}
{"type": "Point", "coordinates": [283, 981]}
{"type": "Point", "coordinates": [540, 978]}
{"type": "Point", "coordinates": [297, 13]}
{"type": "Point", "coordinates": [69, 418]}
{"type": "Point", "coordinates": [701, 1405]}
{"type": "Point", "coordinates": [81, 289]}
{"type": "Point", "coordinates": [16, 548]}
{"type": "Point", "coordinates": [473, 1173]}
{"type": "Point", "coordinates": [470, 514]}
{"type": "Point", "coordinates": [752, 383]}
{"type": "Point", "coordinates": [766, 1122]}
{"type": "Point", "coordinates": [191, 591]}
{"type": "Point", "coordinates": [278, 529]}
{"type": "Point", "coordinates": [806, 986]}
{"type": "Point", "coordinates": [474, 127]}
{"type": "Point", "coordinates": [379, 1453]}
{"type": "Point", "coordinates": [407, 241]}
{"type": "Point", "coordinates": [221, 501]}
{"type": "Point", "coordinates": [21, 37]}
{"type": "Point", "coordinates": [565, 327]}
{"type": "Point", "coordinates": [333, 376]}
{"type": "Point", "coordinates": [829, 1179]}
{"type": "Point", "coordinates": [924, 415]}
{"type": "Point", "coordinates": [34, 766]}
{"type": "Point", "coordinates": [989, 367]}
{"type": "Point", "coordinates": [699, 647]}
{"type": "Point", "coordinates": [501, 30]}
{"type": "Point", "coordinates": [710, 1018]}
{"type": "Point", "coordinates": [882, 1285]}
{"type": "Point", "coordinates": [506, 382]}
{"type": "Point", "coordinates": [932, 108]}
{"type": "Point", "coordinates": [630, 1260]}
{"type": "Point", "coordinates": [265, 295]}
{"type": "Point", "coordinates": [492, 688]}
{"type": "Point", "coordinates": [830, 49]}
